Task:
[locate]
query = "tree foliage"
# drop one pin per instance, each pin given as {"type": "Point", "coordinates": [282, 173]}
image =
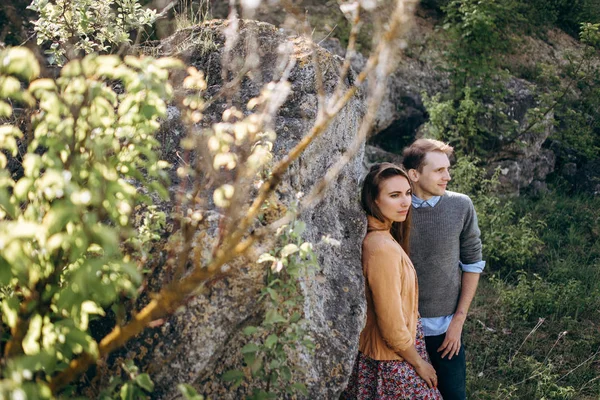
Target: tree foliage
{"type": "Point", "coordinates": [76, 27]}
{"type": "Point", "coordinates": [69, 244]}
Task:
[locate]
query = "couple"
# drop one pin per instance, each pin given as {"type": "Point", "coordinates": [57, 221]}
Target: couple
{"type": "Point", "coordinates": [404, 354]}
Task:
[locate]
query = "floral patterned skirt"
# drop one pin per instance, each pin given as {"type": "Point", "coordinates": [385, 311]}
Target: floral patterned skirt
{"type": "Point", "coordinates": [386, 380]}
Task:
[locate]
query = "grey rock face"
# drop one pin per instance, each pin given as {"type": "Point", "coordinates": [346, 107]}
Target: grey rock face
{"type": "Point", "coordinates": [198, 344]}
{"type": "Point", "coordinates": [523, 161]}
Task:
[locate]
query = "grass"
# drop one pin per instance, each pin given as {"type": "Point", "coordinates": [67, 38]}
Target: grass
{"type": "Point", "coordinates": [535, 334]}
{"type": "Point", "coordinates": [191, 13]}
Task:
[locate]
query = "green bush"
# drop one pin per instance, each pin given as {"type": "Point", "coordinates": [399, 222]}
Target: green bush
{"type": "Point", "coordinates": [510, 241]}
{"type": "Point", "coordinates": [565, 14]}
{"type": "Point", "coordinates": [534, 297]}
{"type": "Point", "coordinates": [77, 27]}
{"type": "Point", "coordinates": [283, 329]}
{"type": "Point", "coordinates": [70, 247]}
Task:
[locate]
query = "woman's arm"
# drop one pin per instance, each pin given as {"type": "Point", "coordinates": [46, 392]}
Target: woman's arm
{"type": "Point", "coordinates": [383, 275]}
{"type": "Point", "coordinates": [385, 282]}
{"type": "Point", "coordinates": [423, 368]}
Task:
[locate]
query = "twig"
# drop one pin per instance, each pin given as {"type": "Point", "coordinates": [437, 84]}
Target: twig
{"type": "Point", "coordinates": [535, 328]}
{"type": "Point", "coordinates": [580, 364]}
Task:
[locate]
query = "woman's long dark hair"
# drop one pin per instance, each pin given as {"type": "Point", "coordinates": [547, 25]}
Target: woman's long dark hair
{"type": "Point", "coordinates": [370, 191]}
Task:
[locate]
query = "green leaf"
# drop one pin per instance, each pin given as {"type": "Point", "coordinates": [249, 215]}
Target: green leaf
{"type": "Point", "coordinates": [5, 110]}
{"type": "Point", "coordinates": [42, 85]}
{"type": "Point", "coordinates": [262, 395]}
{"type": "Point", "coordinates": [31, 343]}
{"type": "Point", "coordinates": [8, 133]}
{"type": "Point", "coordinates": [273, 317]}
{"type": "Point", "coordinates": [19, 61]}
{"type": "Point", "coordinates": [301, 388]}
{"type": "Point", "coordinates": [295, 317]}
{"type": "Point", "coordinates": [22, 187]}
{"type": "Point", "coordinates": [10, 311]}
{"type": "Point", "coordinates": [265, 257]}
{"type": "Point", "coordinates": [9, 86]}
{"type": "Point", "coordinates": [256, 366]}
{"type": "Point", "coordinates": [22, 230]}
{"type": "Point", "coordinates": [5, 272]}
{"type": "Point", "coordinates": [273, 294]}
{"type": "Point", "coordinates": [144, 381]}
{"type": "Point", "coordinates": [127, 392]}
{"type": "Point", "coordinates": [250, 348]}
{"type": "Point", "coordinates": [232, 375]}
{"type": "Point", "coordinates": [249, 358]}
{"type": "Point", "coordinates": [286, 374]}
{"type": "Point", "coordinates": [299, 227]}
{"type": "Point", "coordinates": [189, 392]}
{"type": "Point", "coordinates": [71, 69]}
{"type": "Point", "coordinates": [57, 218]}
{"type": "Point", "coordinates": [288, 250]}
{"type": "Point", "coordinates": [250, 330]}
{"type": "Point", "coordinates": [271, 340]}
{"type": "Point", "coordinates": [169, 63]}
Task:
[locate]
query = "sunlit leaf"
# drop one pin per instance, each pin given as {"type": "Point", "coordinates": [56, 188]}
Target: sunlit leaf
{"type": "Point", "coordinates": [189, 392]}
{"type": "Point", "coordinates": [127, 392]}
{"type": "Point", "coordinates": [5, 110]}
{"type": "Point", "coordinates": [271, 340]}
{"type": "Point", "coordinates": [10, 309]}
{"type": "Point", "coordinates": [289, 249]}
{"type": "Point", "coordinates": [144, 381]}
{"type": "Point", "coordinates": [19, 61]}
{"type": "Point", "coordinates": [31, 341]}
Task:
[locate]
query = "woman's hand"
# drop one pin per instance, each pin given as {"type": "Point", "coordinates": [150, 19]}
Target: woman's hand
{"type": "Point", "coordinates": [426, 371]}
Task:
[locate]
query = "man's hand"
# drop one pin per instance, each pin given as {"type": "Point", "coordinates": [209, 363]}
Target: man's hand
{"type": "Point", "coordinates": [451, 344]}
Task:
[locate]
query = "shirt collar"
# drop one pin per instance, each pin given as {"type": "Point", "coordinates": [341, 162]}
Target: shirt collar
{"type": "Point", "coordinates": [431, 202]}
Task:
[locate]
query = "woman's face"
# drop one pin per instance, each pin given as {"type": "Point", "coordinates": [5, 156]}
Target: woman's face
{"type": "Point", "coordinates": [394, 198]}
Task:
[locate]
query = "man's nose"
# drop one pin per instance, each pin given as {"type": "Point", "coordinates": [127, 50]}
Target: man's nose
{"type": "Point", "coordinates": [447, 176]}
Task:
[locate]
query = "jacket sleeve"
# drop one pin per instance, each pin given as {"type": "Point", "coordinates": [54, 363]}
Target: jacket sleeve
{"type": "Point", "coordinates": [384, 279]}
{"type": "Point", "coordinates": [470, 240]}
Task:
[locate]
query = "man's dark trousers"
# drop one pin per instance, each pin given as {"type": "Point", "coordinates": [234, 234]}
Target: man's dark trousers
{"type": "Point", "coordinates": [451, 374]}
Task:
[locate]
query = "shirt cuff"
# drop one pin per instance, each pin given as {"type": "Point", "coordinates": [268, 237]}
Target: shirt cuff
{"type": "Point", "coordinates": [475, 267]}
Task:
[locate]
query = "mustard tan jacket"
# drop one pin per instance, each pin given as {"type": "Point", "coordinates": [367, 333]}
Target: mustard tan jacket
{"type": "Point", "coordinates": [392, 295]}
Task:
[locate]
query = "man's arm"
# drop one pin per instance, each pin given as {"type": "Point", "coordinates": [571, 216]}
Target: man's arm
{"type": "Point", "coordinates": [472, 266]}
{"type": "Point", "coordinates": [451, 344]}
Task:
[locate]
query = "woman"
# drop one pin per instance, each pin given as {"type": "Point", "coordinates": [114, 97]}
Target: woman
{"type": "Point", "coordinates": [392, 362]}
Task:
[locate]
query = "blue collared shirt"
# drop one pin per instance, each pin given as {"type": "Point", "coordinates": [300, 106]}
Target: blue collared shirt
{"type": "Point", "coordinates": [439, 325]}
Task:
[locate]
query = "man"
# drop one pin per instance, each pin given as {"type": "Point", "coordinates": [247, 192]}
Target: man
{"type": "Point", "coordinates": [445, 249]}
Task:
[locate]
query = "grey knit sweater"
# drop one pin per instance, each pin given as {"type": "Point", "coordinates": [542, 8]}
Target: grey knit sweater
{"type": "Point", "coordinates": [441, 236]}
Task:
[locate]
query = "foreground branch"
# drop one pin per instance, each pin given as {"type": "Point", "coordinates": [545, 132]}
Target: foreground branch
{"type": "Point", "coordinates": [177, 293]}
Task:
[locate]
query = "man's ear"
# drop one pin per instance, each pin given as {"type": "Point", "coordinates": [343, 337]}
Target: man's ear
{"type": "Point", "coordinates": [413, 174]}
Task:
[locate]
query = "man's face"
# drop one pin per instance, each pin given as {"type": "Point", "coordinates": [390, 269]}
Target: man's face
{"type": "Point", "coordinates": [434, 176]}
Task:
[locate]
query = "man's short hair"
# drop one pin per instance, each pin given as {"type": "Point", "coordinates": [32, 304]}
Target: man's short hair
{"type": "Point", "coordinates": [414, 155]}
